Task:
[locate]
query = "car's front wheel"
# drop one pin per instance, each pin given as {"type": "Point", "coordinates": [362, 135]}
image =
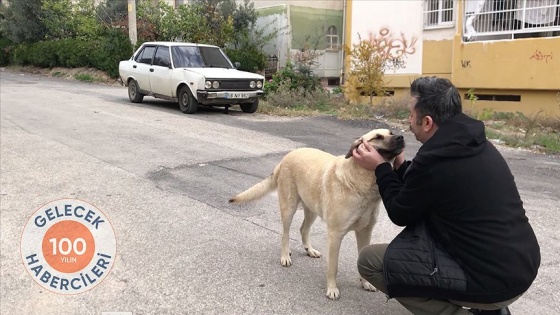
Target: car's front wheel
{"type": "Point", "coordinates": [134, 92]}
{"type": "Point", "coordinates": [187, 103]}
{"type": "Point", "coordinates": [250, 107]}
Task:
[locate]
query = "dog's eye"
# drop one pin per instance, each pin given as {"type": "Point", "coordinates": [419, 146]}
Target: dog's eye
{"type": "Point", "coordinates": [377, 137]}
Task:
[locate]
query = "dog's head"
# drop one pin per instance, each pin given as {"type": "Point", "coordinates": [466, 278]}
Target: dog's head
{"type": "Point", "coordinates": [384, 141]}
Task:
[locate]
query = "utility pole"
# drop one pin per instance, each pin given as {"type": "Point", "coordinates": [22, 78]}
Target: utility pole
{"type": "Point", "coordinates": [132, 33]}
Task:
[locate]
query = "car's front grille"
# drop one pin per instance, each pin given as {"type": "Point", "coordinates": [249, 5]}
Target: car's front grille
{"type": "Point", "coordinates": [235, 85]}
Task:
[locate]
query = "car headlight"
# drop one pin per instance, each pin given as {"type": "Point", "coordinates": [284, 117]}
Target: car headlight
{"type": "Point", "coordinates": [208, 84]}
{"type": "Point", "coordinates": [215, 84]}
{"type": "Point", "coordinates": [259, 84]}
{"type": "Point", "coordinates": [253, 84]}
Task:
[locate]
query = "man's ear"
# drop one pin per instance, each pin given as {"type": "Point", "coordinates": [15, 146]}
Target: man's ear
{"type": "Point", "coordinates": [427, 123]}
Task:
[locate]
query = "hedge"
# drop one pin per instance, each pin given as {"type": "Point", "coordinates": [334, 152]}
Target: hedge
{"type": "Point", "coordinates": [103, 53]}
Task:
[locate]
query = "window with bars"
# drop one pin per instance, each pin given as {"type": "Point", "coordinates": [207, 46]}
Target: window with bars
{"type": "Point", "coordinates": [438, 13]}
{"type": "Point", "coordinates": [511, 19]}
{"type": "Point", "coordinates": [332, 38]}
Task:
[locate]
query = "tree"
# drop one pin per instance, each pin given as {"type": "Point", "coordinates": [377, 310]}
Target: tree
{"type": "Point", "coordinates": [366, 70]}
{"type": "Point", "coordinates": [70, 19]}
{"type": "Point", "coordinates": [111, 12]}
{"type": "Point", "coordinates": [248, 39]}
{"type": "Point", "coordinates": [200, 21]}
{"type": "Point", "coordinates": [22, 21]}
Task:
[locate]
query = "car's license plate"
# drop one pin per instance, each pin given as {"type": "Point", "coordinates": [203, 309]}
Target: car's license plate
{"type": "Point", "coordinates": [237, 95]}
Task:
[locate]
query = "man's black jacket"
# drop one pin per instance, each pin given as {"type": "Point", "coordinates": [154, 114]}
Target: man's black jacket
{"type": "Point", "coordinates": [461, 190]}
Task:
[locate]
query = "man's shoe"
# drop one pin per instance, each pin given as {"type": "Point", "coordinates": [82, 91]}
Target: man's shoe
{"type": "Point", "coordinates": [502, 311]}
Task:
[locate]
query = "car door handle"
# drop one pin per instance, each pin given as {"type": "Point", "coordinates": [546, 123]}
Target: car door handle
{"type": "Point", "coordinates": [151, 69]}
{"type": "Point", "coordinates": [134, 66]}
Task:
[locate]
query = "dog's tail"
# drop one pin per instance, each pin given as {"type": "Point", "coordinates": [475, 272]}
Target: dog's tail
{"type": "Point", "coordinates": [259, 190]}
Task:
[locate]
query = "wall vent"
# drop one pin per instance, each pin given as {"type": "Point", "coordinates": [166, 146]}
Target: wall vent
{"type": "Point", "coordinates": [496, 98]}
{"type": "Point", "coordinates": [387, 93]}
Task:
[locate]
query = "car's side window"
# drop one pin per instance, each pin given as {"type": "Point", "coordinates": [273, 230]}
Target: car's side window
{"type": "Point", "coordinates": [145, 56]}
{"type": "Point", "coordinates": [162, 57]}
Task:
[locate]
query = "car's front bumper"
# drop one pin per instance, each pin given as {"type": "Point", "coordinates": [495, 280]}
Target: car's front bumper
{"type": "Point", "coordinates": [227, 97]}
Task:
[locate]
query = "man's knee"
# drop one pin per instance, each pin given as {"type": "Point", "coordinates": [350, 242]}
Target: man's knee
{"type": "Point", "coordinates": [370, 259]}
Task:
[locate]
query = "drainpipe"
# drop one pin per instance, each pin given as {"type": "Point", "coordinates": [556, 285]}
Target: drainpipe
{"type": "Point", "coordinates": [458, 38]}
{"type": "Point", "coordinates": [343, 41]}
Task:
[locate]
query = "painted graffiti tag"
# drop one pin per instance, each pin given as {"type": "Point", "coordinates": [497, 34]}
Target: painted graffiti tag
{"type": "Point", "coordinates": [393, 49]}
{"type": "Point", "coordinates": [539, 56]}
{"type": "Point", "coordinates": [465, 63]}
{"type": "Point", "coordinates": [394, 64]}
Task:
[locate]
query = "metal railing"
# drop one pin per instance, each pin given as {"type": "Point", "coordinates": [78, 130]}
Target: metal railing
{"type": "Point", "coordinates": [509, 19]}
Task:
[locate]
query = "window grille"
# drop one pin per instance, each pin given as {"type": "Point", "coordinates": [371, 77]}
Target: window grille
{"type": "Point", "coordinates": [438, 13]}
{"type": "Point", "coordinates": [510, 19]}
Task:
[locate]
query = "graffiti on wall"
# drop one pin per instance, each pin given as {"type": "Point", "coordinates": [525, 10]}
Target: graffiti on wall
{"type": "Point", "coordinates": [539, 56]}
{"type": "Point", "coordinates": [394, 64]}
{"type": "Point", "coordinates": [393, 49]}
{"type": "Point", "coordinates": [465, 64]}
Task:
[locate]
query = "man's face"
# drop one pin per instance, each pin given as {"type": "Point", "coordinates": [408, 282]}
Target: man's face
{"type": "Point", "coordinates": [413, 119]}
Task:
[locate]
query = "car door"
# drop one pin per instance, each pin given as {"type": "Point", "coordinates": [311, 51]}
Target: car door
{"type": "Point", "coordinates": [141, 67]}
{"type": "Point", "coordinates": [160, 72]}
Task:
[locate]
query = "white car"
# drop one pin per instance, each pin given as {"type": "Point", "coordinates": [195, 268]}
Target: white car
{"type": "Point", "coordinates": [190, 74]}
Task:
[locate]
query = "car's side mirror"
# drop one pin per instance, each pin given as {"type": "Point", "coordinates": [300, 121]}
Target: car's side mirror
{"type": "Point", "coordinates": [237, 64]}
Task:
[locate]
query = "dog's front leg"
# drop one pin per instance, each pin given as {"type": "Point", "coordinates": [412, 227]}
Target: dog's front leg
{"type": "Point", "coordinates": [334, 240]}
{"type": "Point", "coordinates": [363, 238]}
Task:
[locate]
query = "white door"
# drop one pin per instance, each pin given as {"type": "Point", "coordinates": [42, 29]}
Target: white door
{"type": "Point", "coordinates": [141, 67]}
{"type": "Point", "coordinates": [160, 72]}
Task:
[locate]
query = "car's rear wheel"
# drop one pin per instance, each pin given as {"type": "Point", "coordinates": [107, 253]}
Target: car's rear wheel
{"type": "Point", "coordinates": [187, 103]}
{"type": "Point", "coordinates": [250, 107]}
{"type": "Point", "coordinates": [134, 92]}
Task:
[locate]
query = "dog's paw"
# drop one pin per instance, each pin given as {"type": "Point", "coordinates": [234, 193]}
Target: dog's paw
{"type": "Point", "coordinates": [313, 253]}
{"type": "Point", "coordinates": [333, 293]}
{"type": "Point", "coordinates": [367, 286]}
{"type": "Point", "coordinates": [286, 261]}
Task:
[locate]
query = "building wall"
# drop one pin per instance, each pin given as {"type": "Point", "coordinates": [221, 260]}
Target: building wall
{"type": "Point", "coordinates": [508, 64]}
{"type": "Point", "coordinates": [514, 75]}
{"type": "Point", "coordinates": [398, 23]}
{"type": "Point", "coordinates": [329, 4]}
{"type": "Point", "coordinates": [308, 22]}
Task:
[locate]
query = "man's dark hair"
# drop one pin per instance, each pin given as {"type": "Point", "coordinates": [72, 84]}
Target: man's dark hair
{"type": "Point", "coordinates": [437, 98]}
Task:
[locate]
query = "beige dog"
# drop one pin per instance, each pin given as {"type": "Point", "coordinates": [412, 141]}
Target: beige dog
{"type": "Point", "coordinates": [334, 188]}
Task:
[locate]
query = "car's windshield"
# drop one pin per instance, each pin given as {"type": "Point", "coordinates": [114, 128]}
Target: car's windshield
{"type": "Point", "coordinates": [199, 57]}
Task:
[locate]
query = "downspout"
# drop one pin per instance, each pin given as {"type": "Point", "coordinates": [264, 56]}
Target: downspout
{"type": "Point", "coordinates": [346, 38]}
{"type": "Point", "coordinates": [458, 38]}
{"type": "Point", "coordinates": [342, 43]}
{"type": "Point", "coordinates": [289, 52]}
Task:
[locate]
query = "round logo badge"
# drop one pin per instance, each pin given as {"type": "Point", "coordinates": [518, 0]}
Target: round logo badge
{"type": "Point", "coordinates": [68, 246]}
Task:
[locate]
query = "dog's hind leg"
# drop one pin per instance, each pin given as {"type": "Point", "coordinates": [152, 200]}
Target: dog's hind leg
{"type": "Point", "coordinates": [308, 219]}
{"type": "Point", "coordinates": [363, 238]}
{"type": "Point", "coordinates": [288, 201]}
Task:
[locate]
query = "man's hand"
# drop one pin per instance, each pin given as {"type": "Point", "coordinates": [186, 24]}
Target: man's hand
{"type": "Point", "coordinates": [367, 156]}
{"type": "Point", "coordinates": [399, 160]}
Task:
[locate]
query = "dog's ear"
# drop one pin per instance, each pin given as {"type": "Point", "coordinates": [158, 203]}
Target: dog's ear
{"type": "Point", "coordinates": [355, 144]}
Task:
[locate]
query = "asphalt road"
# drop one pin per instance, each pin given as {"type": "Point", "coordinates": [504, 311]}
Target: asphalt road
{"type": "Point", "coordinates": [163, 179]}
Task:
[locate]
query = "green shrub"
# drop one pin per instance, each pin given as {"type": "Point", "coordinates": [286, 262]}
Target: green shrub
{"type": "Point", "coordinates": [5, 50]}
{"type": "Point", "coordinates": [103, 53]}
{"type": "Point", "coordinates": [294, 79]}
{"type": "Point", "coordinates": [109, 50]}
{"type": "Point", "coordinates": [251, 59]}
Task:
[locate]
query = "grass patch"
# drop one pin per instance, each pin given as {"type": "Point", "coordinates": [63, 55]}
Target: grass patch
{"type": "Point", "coordinates": [85, 77]}
{"type": "Point", "coordinates": [58, 74]}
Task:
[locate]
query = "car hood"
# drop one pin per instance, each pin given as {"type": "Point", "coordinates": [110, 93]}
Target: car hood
{"type": "Point", "coordinates": [222, 73]}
